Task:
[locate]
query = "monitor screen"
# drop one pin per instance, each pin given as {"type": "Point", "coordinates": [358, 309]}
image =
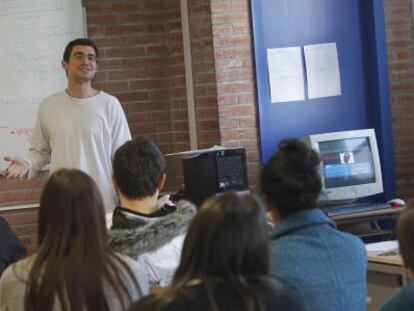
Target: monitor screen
{"type": "Point", "coordinates": [350, 164]}
{"type": "Point", "coordinates": [231, 170]}
{"type": "Point", "coordinates": [347, 162]}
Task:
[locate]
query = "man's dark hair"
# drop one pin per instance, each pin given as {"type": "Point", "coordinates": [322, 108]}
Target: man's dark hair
{"type": "Point", "coordinates": [291, 179]}
{"type": "Point", "coordinates": [138, 167]}
{"type": "Point", "coordinates": [80, 41]}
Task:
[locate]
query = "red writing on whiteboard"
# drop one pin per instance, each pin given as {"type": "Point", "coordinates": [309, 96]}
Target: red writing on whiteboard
{"type": "Point", "coordinates": [22, 132]}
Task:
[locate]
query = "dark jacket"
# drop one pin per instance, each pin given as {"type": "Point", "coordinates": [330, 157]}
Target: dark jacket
{"type": "Point", "coordinates": [11, 249]}
{"type": "Point", "coordinates": [273, 295]}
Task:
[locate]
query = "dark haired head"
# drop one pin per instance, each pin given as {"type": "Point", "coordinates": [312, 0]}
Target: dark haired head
{"type": "Point", "coordinates": [138, 168]}
{"type": "Point", "coordinates": [226, 239]}
{"type": "Point", "coordinates": [227, 242]}
{"type": "Point", "coordinates": [73, 261]}
{"type": "Point", "coordinates": [72, 200]}
{"type": "Point", "coordinates": [405, 233]}
{"type": "Point", "coordinates": [290, 180]}
{"type": "Point", "coordinates": [82, 41]}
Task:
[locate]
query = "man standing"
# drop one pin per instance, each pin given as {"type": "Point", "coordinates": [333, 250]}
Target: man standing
{"type": "Point", "coordinates": [80, 127]}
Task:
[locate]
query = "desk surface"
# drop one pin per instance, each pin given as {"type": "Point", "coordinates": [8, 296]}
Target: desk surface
{"type": "Point", "coordinates": [364, 216]}
{"type": "Point", "coordinates": [383, 252]}
{"type": "Point", "coordinates": [392, 260]}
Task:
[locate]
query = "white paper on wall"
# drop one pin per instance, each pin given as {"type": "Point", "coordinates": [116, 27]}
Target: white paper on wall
{"type": "Point", "coordinates": [285, 69]}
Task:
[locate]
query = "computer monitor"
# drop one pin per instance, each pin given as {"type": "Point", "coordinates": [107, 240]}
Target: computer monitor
{"type": "Point", "coordinates": [350, 164]}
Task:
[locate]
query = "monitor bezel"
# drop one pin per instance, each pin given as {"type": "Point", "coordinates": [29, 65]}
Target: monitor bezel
{"type": "Point", "coordinates": [354, 192]}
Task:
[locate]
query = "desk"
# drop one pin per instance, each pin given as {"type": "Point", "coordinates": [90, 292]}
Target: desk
{"type": "Point", "coordinates": [350, 222]}
{"type": "Point", "coordinates": [367, 216]}
{"type": "Point", "coordinates": [386, 274]}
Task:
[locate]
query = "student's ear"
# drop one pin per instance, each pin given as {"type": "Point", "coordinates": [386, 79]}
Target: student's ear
{"type": "Point", "coordinates": [161, 182]}
{"type": "Point", "coordinates": [114, 181]}
{"type": "Point", "coordinates": [272, 213]}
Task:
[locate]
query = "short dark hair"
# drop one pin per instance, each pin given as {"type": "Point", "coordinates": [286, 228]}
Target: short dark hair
{"type": "Point", "coordinates": [291, 180]}
{"type": "Point", "coordinates": [80, 41]}
{"type": "Point", "coordinates": [405, 234]}
{"type": "Point", "coordinates": [138, 167]}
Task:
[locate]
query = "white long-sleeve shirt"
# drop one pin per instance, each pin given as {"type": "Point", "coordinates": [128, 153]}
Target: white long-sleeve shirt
{"type": "Point", "coordinates": [81, 133]}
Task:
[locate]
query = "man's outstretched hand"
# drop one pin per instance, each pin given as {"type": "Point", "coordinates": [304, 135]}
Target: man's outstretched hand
{"type": "Point", "coordinates": [17, 167]}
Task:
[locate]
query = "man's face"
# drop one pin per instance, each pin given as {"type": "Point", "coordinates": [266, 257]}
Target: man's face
{"type": "Point", "coordinates": [82, 65]}
{"type": "Point", "coordinates": [347, 157]}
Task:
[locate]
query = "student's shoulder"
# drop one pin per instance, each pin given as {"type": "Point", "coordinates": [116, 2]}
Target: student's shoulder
{"type": "Point", "coordinates": [402, 301]}
{"type": "Point", "coordinates": [150, 302]}
{"type": "Point", "coordinates": [17, 272]}
{"type": "Point", "coordinates": [5, 229]}
{"type": "Point", "coordinates": [278, 292]}
{"type": "Point", "coordinates": [137, 270]}
{"type": "Point", "coordinates": [131, 263]}
{"type": "Point", "coordinates": [352, 241]}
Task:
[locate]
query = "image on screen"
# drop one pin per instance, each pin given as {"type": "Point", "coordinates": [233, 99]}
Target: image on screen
{"type": "Point", "coordinates": [347, 162]}
{"type": "Point", "coordinates": [231, 171]}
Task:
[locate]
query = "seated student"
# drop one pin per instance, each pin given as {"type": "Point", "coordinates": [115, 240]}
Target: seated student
{"type": "Point", "coordinates": [404, 299]}
{"type": "Point", "coordinates": [225, 263]}
{"type": "Point", "coordinates": [144, 227]}
{"type": "Point", "coordinates": [328, 266]}
{"type": "Point", "coordinates": [73, 268]}
{"type": "Point", "coordinates": [11, 249]}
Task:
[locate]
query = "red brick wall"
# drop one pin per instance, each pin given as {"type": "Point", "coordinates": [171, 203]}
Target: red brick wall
{"type": "Point", "coordinates": [177, 93]}
{"type": "Point", "coordinates": [400, 42]}
{"type": "Point", "coordinates": [205, 93]}
{"type": "Point", "coordinates": [235, 81]}
{"type": "Point", "coordinates": [221, 46]}
{"type": "Point", "coordinates": [143, 65]}
{"type": "Point", "coordinates": [24, 224]}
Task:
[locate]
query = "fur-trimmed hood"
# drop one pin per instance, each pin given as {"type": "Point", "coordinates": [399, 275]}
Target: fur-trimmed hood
{"type": "Point", "coordinates": [150, 236]}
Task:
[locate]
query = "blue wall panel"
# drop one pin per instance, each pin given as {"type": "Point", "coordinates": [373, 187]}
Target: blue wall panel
{"type": "Point", "coordinates": [357, 28]}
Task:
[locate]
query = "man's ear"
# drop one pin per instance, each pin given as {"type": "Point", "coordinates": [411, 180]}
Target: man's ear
{"type": "Point", "coordinates": [161, 182]}
{"type": "Point", "coordinates": [64, 65]}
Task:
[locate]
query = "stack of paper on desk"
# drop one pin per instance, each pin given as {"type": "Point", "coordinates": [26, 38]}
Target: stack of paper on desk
{"type": "Point", "coordinates": [195, 153]}
{"type": "Point", "coordinates": [386, 252]}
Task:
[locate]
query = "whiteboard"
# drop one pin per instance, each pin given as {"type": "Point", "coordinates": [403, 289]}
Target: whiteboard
{"type": "Point", "coordinates": [33, 35]}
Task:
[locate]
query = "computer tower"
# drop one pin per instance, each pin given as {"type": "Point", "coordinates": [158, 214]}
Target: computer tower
{"type": "Point", "coordinates": [214, 171]}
